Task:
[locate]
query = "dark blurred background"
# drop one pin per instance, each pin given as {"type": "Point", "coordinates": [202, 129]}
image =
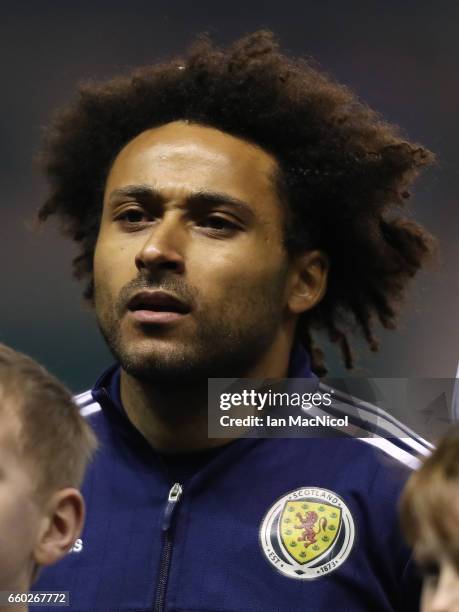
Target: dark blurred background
{"type": "Point", "coordinates": [400, 57]}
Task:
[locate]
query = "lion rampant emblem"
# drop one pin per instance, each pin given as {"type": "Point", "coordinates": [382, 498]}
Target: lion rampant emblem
{"type": "Point", "coordinates": [308, 528]}
{"type": "Point", "coordinates": [307, 523]}
{"type": "Point", "coordinates": [307, 533]}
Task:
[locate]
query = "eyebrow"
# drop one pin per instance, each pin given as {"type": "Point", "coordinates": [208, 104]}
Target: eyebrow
{"type": "Point", "coordinates": [142, 192]}
{"type": "Point", "coordinates": [204, 198]}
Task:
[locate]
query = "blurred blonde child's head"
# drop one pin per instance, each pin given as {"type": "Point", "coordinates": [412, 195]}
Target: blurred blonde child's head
{"type": "Point", "coordinates": [45, 446]}
{"type": "Point", "coordinates": [429, 513]}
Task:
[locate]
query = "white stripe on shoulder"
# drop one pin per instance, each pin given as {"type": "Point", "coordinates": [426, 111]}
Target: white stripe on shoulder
{"type": "Point", "coordinates": [394, 451]}
{"type": "Point", "coordinates": [408, 458]}
{"type": "Point", "coordinates": [89, 409]}
{"type": "Point", "coordinates": [86, 403]}
{"type": "Point", "coordinates": [82, 399]}
{"type": "Point", "coordinates": [373, 419]}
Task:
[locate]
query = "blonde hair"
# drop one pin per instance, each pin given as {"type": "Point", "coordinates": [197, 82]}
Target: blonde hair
{"type": "Point", "coordinates": [53, 438]}
{"type": "Point", "coordinates": [430, 500]}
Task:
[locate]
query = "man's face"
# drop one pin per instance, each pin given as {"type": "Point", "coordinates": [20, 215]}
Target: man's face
{"type": "Point", "coordinates": [190, 270]}
{"type": "Point", "coordinates": [19, 513]}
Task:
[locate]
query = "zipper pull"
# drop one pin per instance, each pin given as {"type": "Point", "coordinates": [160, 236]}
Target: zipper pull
{"type": "Point", "coordinates": [174, 496]}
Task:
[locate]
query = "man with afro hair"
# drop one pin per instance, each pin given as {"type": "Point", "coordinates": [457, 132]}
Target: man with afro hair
{"type": "Point", "coordinates": [228, 205]}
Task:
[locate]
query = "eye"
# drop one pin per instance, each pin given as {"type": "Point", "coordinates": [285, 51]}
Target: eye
{"type": "Point", "coordinates": [132, 217]}
{"type": "Point", "coordinates": [219, 223]}
{"type": "Point", "coordinates": [429, 569]}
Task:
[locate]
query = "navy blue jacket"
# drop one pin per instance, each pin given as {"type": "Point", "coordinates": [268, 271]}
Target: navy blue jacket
{"type": "Point", "coordinates": [231, 538]}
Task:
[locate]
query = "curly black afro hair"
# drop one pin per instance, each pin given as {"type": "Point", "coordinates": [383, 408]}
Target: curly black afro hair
{"type": "Point", "coordinates": [343, 172]}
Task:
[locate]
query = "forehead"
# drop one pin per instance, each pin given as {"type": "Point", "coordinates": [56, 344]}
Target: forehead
{"type": "Point", "coordinates": [193, 158]}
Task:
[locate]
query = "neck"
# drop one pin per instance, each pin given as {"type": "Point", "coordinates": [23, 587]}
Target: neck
{"type": "Point", "coordinates": [174, 420]}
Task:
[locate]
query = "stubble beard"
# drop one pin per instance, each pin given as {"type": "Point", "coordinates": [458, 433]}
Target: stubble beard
{"type": "Point", "coordinates": [228, 341]}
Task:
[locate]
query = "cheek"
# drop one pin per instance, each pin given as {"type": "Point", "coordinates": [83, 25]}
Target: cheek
{"type": "Point", "coordinates": [239, 279]}
{"type": "Point", "coordinates": [428, 592]}
{"type": "Point", "coordinates": [114, 265]}
{"type": "Point", "coordinates": [18, 530]}
{"type": "Point", "coordinates": [247, 256]}
{"type": "Point", "coordinates": [99, 261]}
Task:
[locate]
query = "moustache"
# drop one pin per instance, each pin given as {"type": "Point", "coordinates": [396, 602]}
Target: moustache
{"type": "Point", "coordinates": [184, 292]}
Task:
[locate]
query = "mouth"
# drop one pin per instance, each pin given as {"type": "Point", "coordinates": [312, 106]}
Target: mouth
{"type": "Point", "coordinates": [157, 307]}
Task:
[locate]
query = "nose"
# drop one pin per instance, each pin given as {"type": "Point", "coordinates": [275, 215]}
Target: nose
{"type": "Point", "coordinates": [163, 249]}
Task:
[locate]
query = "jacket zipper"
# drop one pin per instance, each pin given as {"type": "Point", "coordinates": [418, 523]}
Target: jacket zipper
{"type": "Point", "coordinates": [174, 496]}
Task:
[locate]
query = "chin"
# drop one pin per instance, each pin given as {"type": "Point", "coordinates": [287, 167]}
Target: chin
{"type": "Point", "coordinates": [157, 363]}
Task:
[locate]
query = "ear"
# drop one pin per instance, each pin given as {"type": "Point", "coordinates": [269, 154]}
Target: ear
{"type": "Point", "coordinates": [61, 526]}
{"type": "Point", "coordinates": [309, 272]}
